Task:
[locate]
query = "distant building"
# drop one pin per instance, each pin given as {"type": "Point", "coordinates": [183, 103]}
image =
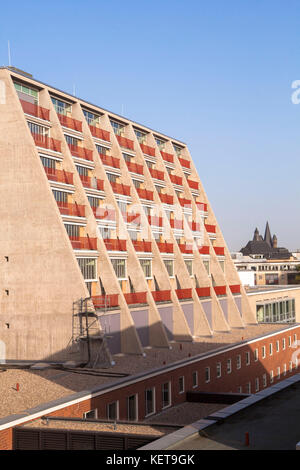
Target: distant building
{"type": "Point", "coordinates": [265, 247]}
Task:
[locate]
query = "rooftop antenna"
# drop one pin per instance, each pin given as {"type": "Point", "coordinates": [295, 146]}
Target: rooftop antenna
{"type": "Point", "coordinates": [8, 50]}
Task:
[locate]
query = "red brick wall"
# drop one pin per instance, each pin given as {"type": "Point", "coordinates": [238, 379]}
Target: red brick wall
{"type": "Point", "coordinates": [228, 382]}
{"type": "Point", "coordinates": [6, 439]}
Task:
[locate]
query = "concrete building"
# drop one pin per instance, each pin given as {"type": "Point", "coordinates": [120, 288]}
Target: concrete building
{"type": "Point", "coordinates": [259, 271]}
{"type": "Point", "coordinates": [109, 243]}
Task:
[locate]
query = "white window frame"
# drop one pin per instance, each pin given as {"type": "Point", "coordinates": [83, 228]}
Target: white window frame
{"type": "Point", "coordinates": [195, 374]}
{"type": "Point", "coordinates": [207, 374]}
{"type": "Point", "coordinates": [170, 396]}
{"type": "Point", "coordinates": [117, 410]}
{"type": "Point", "coordinates": [218, 370]}
{"type": "Point", "coordinates": [136, 407]}
{"type": "Point", "coordinates": [228, 369]}
{"type": "Point", "coordinates": [238, 361]}
{"type": "Point", "coordinates": [154, 401]}
{"type": "Point", "coordinates": [183, 384]}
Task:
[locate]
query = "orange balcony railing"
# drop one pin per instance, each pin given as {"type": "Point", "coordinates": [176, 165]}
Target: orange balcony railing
{"type": "Point", "coordinates": [184, 293]}
{"type": "Point", "coordinates": [168, 157]}
{"type": "Point", "coordinates": [201, 206]}
{"type": "Point", "coordinates": [155, 221]}
{"type": "Point", "coordinates": [157, 174]}
{"type": "Point", "coordinates": [135, 168]}
{"type": "Point", "coordinates": [184, 163]}
{"type": "Point", "coordinates": [161, 295]}
{"type": "Point", "coordinates": [220, 290]}
{"type": "Point", "coordinates": [203, 291]}
{"type": "Point", "coordinates": [105, 301]}
{"type": "Point", "coordinates": [176, 179]}
{"type": "Point", "coordinates": [132, 218]}
{"type": "Point", "coordinates": [145, 194]}
{"type": "Point", "coordinates": [204, 250]}
{"type": "Point", "coordinates": [35, 110]}
{"type": "Point", "coordinates": [69, 122]}
{"type": "Point", "coordinates": [165, 247]}
{"type": "Point", "coordinates": [67, 208]}
{"type": "Point", "coordinates": [136, 298]}
{"type": "Point", "coordinates": [210, 228]}
{"type": "Point", "coordinates": [141, 245]}
{"type": "Point", "coordinates": [177, 224]}
{"type": "Point", "coordinates": [113, 244]}
{"type": "Point", "coordinates": [185, 248]}
{"type": "Point", "coordinates": [148, 150]}
{"type": "Point", "coordinates": [103, 213]}
{"type": "Point", "coordinates": [81, 152]}
{"type": "Point", "coordinates": [235, 289]}
{"type": "Point", "coordinates": [166, 198]}
{"type": "Point", "coordinates": [195, 226]}
{"type": "Point", "coordinates": [110, 161]}
{"type": "Point", "coordinates": [84, 243]}
{"type": "Point", "coordinates": [193, 184]}
{"type": "Point", "coordinates": [184, 202]}
{"type": "Point", "coordinates": [124, 142]}
{"type": "Point", "coordinates": [61, 176]}
{"type": "Point", "coordinates": [93, 183]}
{"type": "Point", "coordinates": [120, 188]}
{"type": "Point", "coordinates": [219, 250]}
{"type": "Point", "coordinates": [100, 133]}
{"type": "Point", "coordinates": [47, 142]}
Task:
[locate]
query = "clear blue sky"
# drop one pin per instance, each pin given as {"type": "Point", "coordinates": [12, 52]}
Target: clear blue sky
{"type": "Point", "coordinates": [215, 74]}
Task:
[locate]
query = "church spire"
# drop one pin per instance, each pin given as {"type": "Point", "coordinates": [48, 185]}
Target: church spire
{"type": "Point", "coordinates": [268, 235]}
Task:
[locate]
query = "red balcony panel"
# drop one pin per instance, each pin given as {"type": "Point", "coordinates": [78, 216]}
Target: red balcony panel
{"type": "Point", "coordinates": [81, 152]}
{"type": "Point", "coordinates": [69, 122]}
{"type": "Point", "coordinates": [155, 220]}
{"type": "Point", "coordinates": [184, 163]}
{"type": "Point", "coordinates": [67, 208]}
{"type": "Point", "coordinates": [140, 245]}
{"type": "Point", "coordinates": [135, 168]}
{"type": "Point", "coordinates": [235, 289]}
{"type": "Point", "coordinates": [35, 110]}
{"type": "Point", "coordinates": [84, 243]}
{"type": "Point", "coordinates": [132, 218]}
{"type": "Point", "coordinates": [220, 290]}
{"type": "Point", "coordinates": [219, 250]}
{"type": "Point", "coordinates": [204, 250]}
{"type": "Point", "coordinates": [165, 247]}
{"type": "Point", "coordinates": [201, 206]}
{"type": "Point", "coordinates": [103, 213]}
{"type": "Point", "coordinates": [176, 179]}
{"type": "Point", "coordinates": [185, 248]}
{"type": "Point", "coordinates": [60, 176]}
{"type": "Point", "coordinates": [168, 157]}
{"type": "Point", "coordinates": [110, 161]}
{"type": "Point", "coordinates": [203, 291]}
{"type": "Point", "coordinates": [210, 228]}
{"type": "Point", "coordinates": [177, 224]}
{"type": "Point", "coordinates": [100, 133]}
{"type": "Point", "coordinates": [148, 150]}
{"type": "Point", "coordinates": [185, 202]}
{"type": "Point", "coordinates": [157, 174]}
{"type": "Point", "coordinates": [113, 244]}
{"type": "Point", "coordinates": [47, 142]}
{"type": "Point", "coordinates": [145, 194]}
{"type": "Point", "coordinates": [195, 226]}
{"type": "Point", "coordinates": [104, 301]}
{"type": "Point", "coordinates": [126, 143]}
{"type": "Point", "coordinates": [120, 188]}
{"type": "Point", "coordinates": [184, 293]}
{"type": "Point", "coordinates": [92, 183]}
{"type": "Point", "coordinates": [193, 184]}
{"type": "Point", "coordinates": [161, 295]}
{"type": "Point", "coordinates": [166, 198]}
{"type": "Point", "coordinates": [136, 298]}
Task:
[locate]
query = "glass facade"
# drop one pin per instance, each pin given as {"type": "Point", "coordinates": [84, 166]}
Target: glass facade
{"type": "Point", "coordinates": [274, 312]}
